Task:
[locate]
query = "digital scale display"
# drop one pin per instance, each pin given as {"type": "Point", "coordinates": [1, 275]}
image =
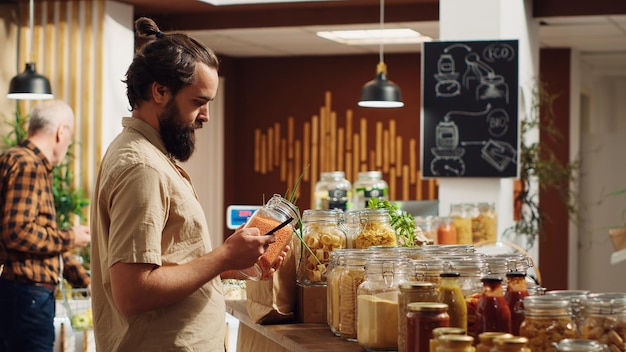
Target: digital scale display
{"type": "Point", "coordinates": [237, 215]}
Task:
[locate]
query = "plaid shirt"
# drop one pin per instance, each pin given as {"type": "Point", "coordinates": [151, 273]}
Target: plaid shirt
{"type": "Point", "coordinates": [30, 241]}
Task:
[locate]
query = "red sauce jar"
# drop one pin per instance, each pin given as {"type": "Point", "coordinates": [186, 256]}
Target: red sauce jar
{"type": "Point", "coordinates": [516, 290]}
{"type": "Point", "coordinates": [492, 312]}
{"type": "Point", "coordinates": [421, 319]}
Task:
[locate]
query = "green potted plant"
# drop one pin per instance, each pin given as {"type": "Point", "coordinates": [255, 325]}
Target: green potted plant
{"type": "Point", "coordinates": [539, 163]}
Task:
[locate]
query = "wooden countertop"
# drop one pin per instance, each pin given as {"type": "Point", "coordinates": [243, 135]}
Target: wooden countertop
{"type": "Point", "coordinates": [296, 337]}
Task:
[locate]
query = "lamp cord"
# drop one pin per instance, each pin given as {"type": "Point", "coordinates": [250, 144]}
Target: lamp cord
{"type": "Point", "coordinates": [31, 21]}
{"type": "Point", "coordinates": [382, 27]}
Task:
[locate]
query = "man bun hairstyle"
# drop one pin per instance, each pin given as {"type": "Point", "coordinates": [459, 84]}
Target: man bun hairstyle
{"type": "Point", "coordinates": [166, 58]}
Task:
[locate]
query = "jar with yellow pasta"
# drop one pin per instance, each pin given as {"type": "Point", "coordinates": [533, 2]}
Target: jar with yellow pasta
{"type": "Point", "coordinates": [547, 320]}
{"type": "Point", "coordinates": [375, 230]}
{"type": "Point", "coordinates": [605, 320]}
{"type": "Point", "coordinates": [321, 234]}
{"type": "Point", "coordinates": [351, 275]}
{"type": "Point", "coordinates": [462, 215]}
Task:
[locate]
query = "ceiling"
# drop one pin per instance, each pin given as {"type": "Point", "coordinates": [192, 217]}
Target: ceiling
{"type": "Point", "coordinates": [288, 29]}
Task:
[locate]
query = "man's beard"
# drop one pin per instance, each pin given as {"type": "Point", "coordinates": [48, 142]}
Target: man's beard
{"type": "Point", "coordinates": [179, 138]}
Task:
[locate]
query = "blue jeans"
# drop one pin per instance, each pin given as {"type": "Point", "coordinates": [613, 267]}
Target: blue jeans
{"type": "Point", "coordinates": [26, 317]}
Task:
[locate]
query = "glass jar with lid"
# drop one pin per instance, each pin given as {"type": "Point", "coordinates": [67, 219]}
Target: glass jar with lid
{"type": "Point", "coordinates": [410, 292]}
{"type": "Point", "coordinates": [427, 270]}
{"type": "Point", "coordinates": [516, 291]}
{"type": "Point", "coordinates": [375, 229]}
{"type": "Point", "coordinates": [456, 343]}
{"type": "Point", "coordinates": [580, 345]}
{"type": "Point", "coordinates": [322, 233]}
{"type": "Point", "coordinates": [446, 231]}
{"type": "Point", "coordinates": [352, 225]}
{"type": "Point", "coordinates": [577, 299]}
{"type": "Point", "coordinates": [438, 332]}
{"type": "Point", "coordinates": [492, 312]}
{"type": "Point", "coordinates": [369, 184]}
{"type": "Point", "coordinates": [332, 191]}
{"type": "Point", "coordinates": [421, 319]}
{"type": "Point", "coordinates": [428, 225]}
{"type": "Point", "coordinates": [278, 215]}
{"type": "Point", "coordinates": [332, 290]}
{"type": "Point", "coordinates": [377, 302]}
{"type": "Point", "coordinates": [450, 293]}
{"type": "Point", "coordinates": [606, 319]}
{"type": "Point", "coordinates": [471, 269]}
{"type": "Point", "coordinates": [547, 320]}
{"type": "Point", "coordinates": [351, 275]}
{"type": "Point", "coordinates": [484, 222]}
{"type": "Point", "coordinates": [510, 344]}
{"type": "Point", "coordinates": [485, 340]}
{"type": "Point", "coordinates": [462, 214]}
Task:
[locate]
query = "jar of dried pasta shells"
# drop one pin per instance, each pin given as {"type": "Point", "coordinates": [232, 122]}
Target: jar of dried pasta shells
{"type": "Point", "coordinates": [605, 320]}
{"type": "Point", "coordinates": [547, 320]}
{"type": "Point", "coordinates": [375, 230]}
{"type": "Point", "coordinates": [321, 234]}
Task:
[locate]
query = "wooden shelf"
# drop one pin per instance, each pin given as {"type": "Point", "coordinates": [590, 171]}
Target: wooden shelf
{"type": "Point", "coordinates": [294, 337]}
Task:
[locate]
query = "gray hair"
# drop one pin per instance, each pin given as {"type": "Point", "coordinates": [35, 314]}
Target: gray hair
{"type": "Point", "coordinates": [46, 117]}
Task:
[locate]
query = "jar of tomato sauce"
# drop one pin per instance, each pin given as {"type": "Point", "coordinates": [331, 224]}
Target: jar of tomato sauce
{"type": "Point", "coordinates": [421, 319]}
{"type": "Point", "coordinates": [492, 312]}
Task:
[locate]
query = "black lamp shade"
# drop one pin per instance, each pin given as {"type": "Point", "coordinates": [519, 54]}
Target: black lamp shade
{"type": "Point", "coordinates": [29, 85]}
{"type": "Point", "coordinates": [381, 93]}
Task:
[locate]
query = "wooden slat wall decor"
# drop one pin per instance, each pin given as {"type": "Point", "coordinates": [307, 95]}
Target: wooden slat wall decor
{"type": "Point", "coordinates": [67, 48]}
{"type": "Point", "coordinates": [325, 146]}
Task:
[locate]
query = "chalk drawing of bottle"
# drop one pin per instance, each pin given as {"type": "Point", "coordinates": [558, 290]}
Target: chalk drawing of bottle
{"type": "Point", "coordinates": [489, 85]}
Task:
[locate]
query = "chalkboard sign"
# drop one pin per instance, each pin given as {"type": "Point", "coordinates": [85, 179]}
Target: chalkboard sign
{"type": "Point", "coordinates": [469, 96]}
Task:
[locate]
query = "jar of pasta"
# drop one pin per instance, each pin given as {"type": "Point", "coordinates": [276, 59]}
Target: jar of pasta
{"type": "Point", "coordinates": [277, 217]}
{"type": "Point", "coordinates": [321, 234]}
{"type": "Point", "coordinates": [484, 222]}
{"type": "Point", "coordinates": [332, 191]}
{"type": "Point", "coordinates": [375, 229]}
{"type": "Point", "coordinates": [377, 302]}
{"type": "Point", "coordinates": [410, 292]}
{"type": "Point", "coordinates": [606, 319]}
{"type": "Point", "coordinates": [462, 214]}
{"type": "Point", "coordinates": [332, 290]}
{"type": "Point", "coordinates": [428, 225]}
{"type": "Point", "coordinates": [547, 320]}
{"type": "Point", "coordinates": [369, 184]}
{"type": "Point", "coordinates": [352, 274]}
{"type": "Point", "coordinates": [577, 300]}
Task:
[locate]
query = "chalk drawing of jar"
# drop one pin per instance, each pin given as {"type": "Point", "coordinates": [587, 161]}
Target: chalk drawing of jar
{"type": "Point", "coordinates": [447, 79]}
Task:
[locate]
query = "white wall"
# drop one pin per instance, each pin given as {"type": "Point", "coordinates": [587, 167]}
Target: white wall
{"type": "Point", "coordinates": [603, 170]}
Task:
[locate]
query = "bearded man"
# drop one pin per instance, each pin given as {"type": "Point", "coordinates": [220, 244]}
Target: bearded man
{"type": "Point", "coordinates": [155, 276]}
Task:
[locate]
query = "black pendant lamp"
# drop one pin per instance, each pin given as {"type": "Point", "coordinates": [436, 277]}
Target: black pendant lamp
{"type": "Point", "coordinates": [381, 92]}
{"type": "Point", "coordinates": [29, 85]}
